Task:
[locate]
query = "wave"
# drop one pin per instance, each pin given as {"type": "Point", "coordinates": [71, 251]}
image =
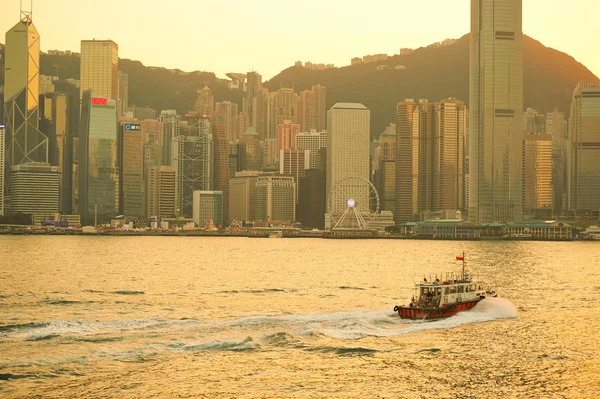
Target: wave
{"type": "Point", "coordinates": [128, 292]}
{"type": "Point", "coordinates": [272, 330]}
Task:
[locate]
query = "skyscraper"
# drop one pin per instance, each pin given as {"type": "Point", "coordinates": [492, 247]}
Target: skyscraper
{"type": "Point", "coordinates": [205, 102]}
{"type": "Point", "coordinates": [34, 189]}
{"type": "Point", "coordinates": [583, 172]}
{"type": "Point", "coordinates": [556, 126]}
{"type": "Point", "coordinates": [99, 68]}
{"type": "Point", "coordinates": [312, 111]}
{"type": "Point", "coordinates": [25, 143]}
{"type": "Point", "coordinates": [286, 135]}
{"type": "Point", "coordinates": [123, 93]}
{"type": "Point", "coordinates": [242, 193]}
{"type": "Point", "coordinates": [55, 123]}
{"type": "Point", "coordinates": [2, 136]}
{"type": "Point", "coordinates": [230, 111]}
{"type": "Point", "coordinates": [160, 184]}
{"type": "Point", "coordinates": [348, 138]}
{"type": "Point", "coordinates": [208, 206]}
{"type": "Point", "coordinates": [221, 160]}
{"type": "Point", "coordinates": [276, 198]}
{"type": "Point", "coordinates": [313, 141]}
{"type": "Point", "coordinates": [496, 101]}
{"type": "Point", "coordinates": [430, 153]}
{"type": "Point", "coordinates": [131, 168]}
{"type": "Point", "coordinates": [537, 173]}
{"type": "Point", "coordinates": [98, 158]}
{"type": "Point", "coordinates": [170, 121]}
{"type": "Point", "coordinates": [192, 156]}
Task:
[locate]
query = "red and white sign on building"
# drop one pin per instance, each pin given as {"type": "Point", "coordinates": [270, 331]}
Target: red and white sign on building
{"type": "Point", "coordinates": [99, 101]}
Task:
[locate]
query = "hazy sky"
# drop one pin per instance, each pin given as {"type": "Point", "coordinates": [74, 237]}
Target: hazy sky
{"type": "Point", "coordinates": [269, 35]}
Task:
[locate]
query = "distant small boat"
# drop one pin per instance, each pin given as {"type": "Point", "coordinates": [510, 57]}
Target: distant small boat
{"type": "Point", "coordinates": [277, 234]}
{"type": "Point", "coordinates": [440, 299]}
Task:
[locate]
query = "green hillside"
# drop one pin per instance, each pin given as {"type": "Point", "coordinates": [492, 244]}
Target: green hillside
{"type": "Point", "coordinates": [433, 73]}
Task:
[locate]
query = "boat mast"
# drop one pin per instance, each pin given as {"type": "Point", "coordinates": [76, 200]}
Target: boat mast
{"type": "Point", "coordinates": [464, 263]}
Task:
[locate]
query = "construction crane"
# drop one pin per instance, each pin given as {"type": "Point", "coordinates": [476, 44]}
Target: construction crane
{"type": "Point", "coordinates": [58, 66]}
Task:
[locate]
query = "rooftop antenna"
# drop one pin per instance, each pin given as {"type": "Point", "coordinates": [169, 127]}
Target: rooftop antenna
{"type": "Point", "coordinates": [26, 16]}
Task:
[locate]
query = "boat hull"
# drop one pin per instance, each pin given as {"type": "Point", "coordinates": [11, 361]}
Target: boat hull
{"type": "Point", "coordinates": [416, 313]}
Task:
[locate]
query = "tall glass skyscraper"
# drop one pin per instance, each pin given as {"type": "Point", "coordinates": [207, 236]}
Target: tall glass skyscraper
{"type": "Point", "coordinates": [99, 70]}
{"type": "Point", "coordinates": [98, 158]}
{"type": "Point", "coordinates": [583, 151]}
{"type": "Point", "coordinates": [25, 143]}
{"type": "Point", "coordinates": [496, 101]}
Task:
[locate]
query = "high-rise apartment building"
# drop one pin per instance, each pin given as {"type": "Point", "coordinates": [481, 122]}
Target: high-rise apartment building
{"type": "Point", "coordinates": [537, 173]}
{"type": "Point", "coordinates": [496, 101]}
{"type": "Point", "coordinates": [160, 184]}
{"type": "Point", "coordinates": [348, 138]}
{"type": "Point", "coordinates": [230, 111]}
{"type": "Point", "coordinates": [312, 111]}
{"type": "Point", "coordinates": [242, 194]}
{"type": "Point", "coordinates": [319, 107]}
{"type": "Point", "coordinates": [312, 141]}
{"type": "Point", "coordinates": [534, 122]}
{"type": "Point", "coordinates": [556, 126]}
{"type": "Point", "coordinates": [286, 135]}
{"type": "Point", "coordinates": [583, 151]}
{"type": "Point", "coordinates": [241, 123]}
{"type": "Point", "coordinates": [208, 206]}
{"type": "Point", "coordinates": [286, 109]}
{"type": "Point", "coordinates": [34, 189]}
{"type": "Point", "coordinates": [99, 68]}
{"type": "Point", "coordinates": [276, 198]}
{"type": "Point", "coordinates": [430, 154]}
{"type": "Point", "coordinates": [24, 141]}
{"type": "Point", "coordinates": [98, 158]}
{"type": "Point", "coordinates": [131, 168]}
{"type": "Point", "coordinates": [205, 102]}
{"type": "Point", "coordinates": [55, 123]}
{"type": "Point", "coordinates": [123, 93]}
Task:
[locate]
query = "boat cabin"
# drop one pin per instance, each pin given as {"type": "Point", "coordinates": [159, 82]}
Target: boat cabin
{"type": "Point", "coordinates": [442, 293]}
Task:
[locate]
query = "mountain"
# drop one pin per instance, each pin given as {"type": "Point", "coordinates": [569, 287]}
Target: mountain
{"type": "Point", "coordinates": [433, 73]}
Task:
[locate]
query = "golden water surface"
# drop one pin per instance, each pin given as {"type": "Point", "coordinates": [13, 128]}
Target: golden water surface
{"type": "Point", "coordinates": [197, 317]}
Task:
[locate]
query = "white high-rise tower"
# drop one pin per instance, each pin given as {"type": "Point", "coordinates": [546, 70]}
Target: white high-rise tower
{"type": "Point", "coordinates": [496, 101]}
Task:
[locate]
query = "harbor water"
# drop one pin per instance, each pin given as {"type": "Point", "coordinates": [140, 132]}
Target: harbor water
{"type": "Point", "coordinates": [202, 317]}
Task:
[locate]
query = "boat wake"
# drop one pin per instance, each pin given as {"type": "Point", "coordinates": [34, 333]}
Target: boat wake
{"type": "Point", "coordinates": [138, 339]}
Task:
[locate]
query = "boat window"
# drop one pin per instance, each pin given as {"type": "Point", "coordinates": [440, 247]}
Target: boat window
{"type": "Point", "coordinates": [446, 291]}
{"type": "Point", "coordinates": [453, 289]}
{"type": "Point", "coordinates": [466, 288]}
{"type": "Point", "coordinates": [438, 291]}
{"type": "Point", "coordinates": [461, 289]}
{"type": "Point", "coordinates": [472, 287]}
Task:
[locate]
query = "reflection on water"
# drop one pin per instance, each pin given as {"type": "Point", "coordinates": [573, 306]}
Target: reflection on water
{"type": "Point", "coordinates": [220, 317]}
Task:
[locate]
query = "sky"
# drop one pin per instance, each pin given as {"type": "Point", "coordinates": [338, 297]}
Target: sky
{"type": "Point", "coordinates": [270, 35]}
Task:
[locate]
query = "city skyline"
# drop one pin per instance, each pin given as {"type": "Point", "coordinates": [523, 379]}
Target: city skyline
{"type": "Point", "coordinates": [255, 52]}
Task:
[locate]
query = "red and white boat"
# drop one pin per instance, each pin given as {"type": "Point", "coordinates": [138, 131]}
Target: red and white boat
{"type": "Point", "coordinates": [439, 299]}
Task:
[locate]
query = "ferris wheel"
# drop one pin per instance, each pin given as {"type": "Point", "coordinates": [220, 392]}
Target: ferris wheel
{"type": "Point", "coordinates": [352, 203]}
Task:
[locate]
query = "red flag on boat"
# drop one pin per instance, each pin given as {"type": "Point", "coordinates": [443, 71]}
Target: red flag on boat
{"type": "Point", "coordinates": [460, 258]}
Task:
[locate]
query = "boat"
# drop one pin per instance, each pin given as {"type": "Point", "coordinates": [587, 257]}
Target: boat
{"type": "Point", "coordinates": [276, 234]}
{"type": "Point", "coordinates": [439, 299]}
{"type": "Point", "coordinates": [592, 233]}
